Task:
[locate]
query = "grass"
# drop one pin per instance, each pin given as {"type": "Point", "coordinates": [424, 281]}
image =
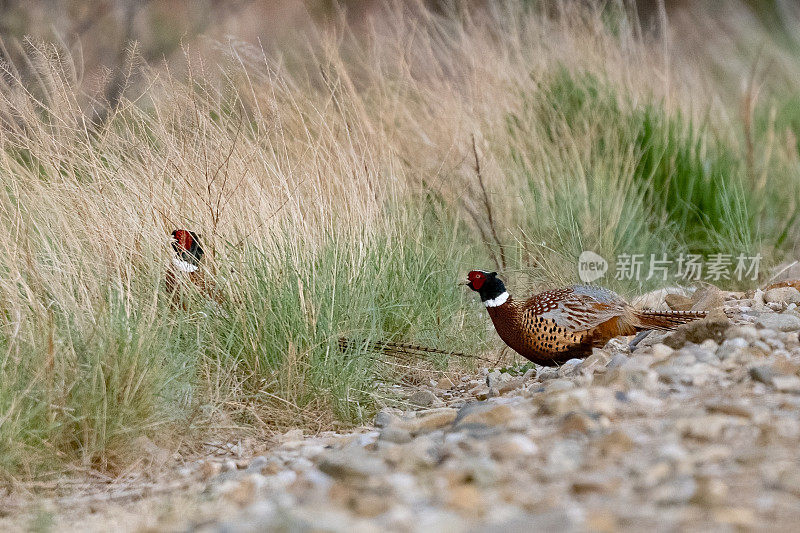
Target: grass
{"type": "Point", "coordinates": [342, 187]}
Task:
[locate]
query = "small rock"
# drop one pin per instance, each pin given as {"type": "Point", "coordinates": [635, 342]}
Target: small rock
{"type": "Point", "coordinates": [758, 298]}
{"type": "Point", "coordinates": [368, 504]}
{"type": "Point", "coordinates": [492, 414]}
{"type": "Point", "coordinates": [763, 374]}
{"type": "Point", "coordinates": [707, 298]}
{"type": "Point", "coordinates": [242, 491]}
{"type": "Point", "coordinates": [423, 398]}
{"type": "Point", "coordinates": [559, 385]}
{"type": "Point", "coordinates": [395, 435]}
{"type": "Point", "coordinates": [678, 302]}
{"type": "Point", "coordinates": [785, 295]}
{"type": "Point", "coordinates": [385, 418]}
{"type": "Point", "coordinates": [661, 351]}
{"type": "Point", "coordinates": [628, 377]}
{"type": "Point", "coordinates": [569, 367]}
{"type": "Point", "coordinates": [428, 420]}
{"type": "Point", "coordinates": [779, 322]}
{"type": "Point", "coordinates": [209, 469]}
{"type": "Point", "coordinates": [595, 482]}
{"type": "Point", "coordinates": [579, 422]}
{"type": "Point", "coordinates": [599, 358]}
{"type": "Point", "coordinates": [709, 492]}
{"type": "Point", "coordinates": [676, 491]}
{"type": "Point", "coordinates": [728, 408]}
{"type": "Point", "coordinates": [708, 427]}
{"type": "Point", "coordinates": [786, 383]}
{"type": "Point", "coordinates": [293, 435]}
{"type": "Point", "coordinates": [467, 499]}
{"type": "Point", "coordinates": [657, 299]}
{"type": "Point", "coordinates": [546, 373]}
{"type": "Point", "coordinates": [257, 464]}
{"type": "Point", "coordinates": [552, 520]}
{"type": "Point", "coordinates": [731, 346]}
{"type": "Point", "coordinates": [445, 383]}
{"type": "Point", "coordinates": [617, 361]}
{"type": "Point", "coordinates": [618, 345]}
{"type": "Point", "coordinates": [354, 464]}
{"type": "Point", "coordinates": [480, 392]}
{"type": "Point", "coordinates": [562, 402]}
{"type": "Point", "coordinates": [495, 378]}
{"type": "Point", "coordinates": [738, 516]}
{"type": "Point", "coordinates": [708, 345]}
{"type": "Point", "coordinates": [503, 382]}
{"type": "Point", "coordinates": [564, 456]}
{"type": "Point", "coordinates": [516, 383]}
{"type": "Point", "coordinates": [712, 327]}
{"type": "Point", "coordinates": [512, 446]}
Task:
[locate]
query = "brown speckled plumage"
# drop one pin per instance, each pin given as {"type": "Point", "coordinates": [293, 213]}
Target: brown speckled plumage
{"type": "Point", "coordinates": [554, 326]}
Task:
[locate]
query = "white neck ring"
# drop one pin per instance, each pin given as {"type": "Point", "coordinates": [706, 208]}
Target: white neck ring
{"type": "Point", "coordinates": [498, 301]}
{"type": "Point", "coordinates": [183, 266]}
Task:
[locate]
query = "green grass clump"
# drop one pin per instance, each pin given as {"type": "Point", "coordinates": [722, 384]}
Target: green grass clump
{"type": "Point", "coordinates": [84, 387]}
{"type": "Point", "coordinates": [282, 327]}
{"type": "Point", "coordinates": [601, 173]}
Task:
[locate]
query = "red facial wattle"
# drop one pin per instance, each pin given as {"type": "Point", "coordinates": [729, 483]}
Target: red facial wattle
{"type": "Point", "coordinates": [184, 239]}
{"type": "Point", "coordinates": [476, 280]}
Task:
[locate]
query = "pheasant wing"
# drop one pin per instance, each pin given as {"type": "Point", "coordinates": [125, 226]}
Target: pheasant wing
{"type": "Point", "coordinates": [577, 308]}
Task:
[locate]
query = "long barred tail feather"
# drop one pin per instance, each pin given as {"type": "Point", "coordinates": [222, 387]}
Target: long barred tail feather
{"type": "Point", "coordinates": [402, 349]}
{"type": "Point", "coordinates": [666, 320]}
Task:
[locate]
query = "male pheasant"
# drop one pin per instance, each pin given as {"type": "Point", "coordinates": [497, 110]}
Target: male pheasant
{"type": "Point", "coordinates": [554, 326]}
{"type": "Point", "coordinates": [185, 265]}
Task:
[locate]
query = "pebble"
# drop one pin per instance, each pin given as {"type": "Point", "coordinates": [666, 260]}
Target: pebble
{"type": "Point", "coordinates": [709, 492]}
{"type": "Point", "coordinates": [564, 456]}
{"type": "Point", "coordinates": [579, 422]}
{"type": "Point", "coordinates": [423, 398]}
{"type": "Point", "coordinates": [675, 492]}
{"type": "Point", "coordinates": [784, 295]}
{"type": "Point", "coordinates": [559, 402]}
{"type": "Point", "coordinates": [512, 447]}
{"type": "Point", "coordinates": [426, 421]}
{"type": "Point", "coordinates": [779, 322]}
{"type": "Point", "coordinates": [706, 427]}
{"type": "Point", "coordinates": [490, 414]}
{"type": "Point", "coordinates": [660, 351]}
{"type": "Point", "coordinates": [395, 435]}
{"type": "Point", "coordinates": [762, 373]}
{"type": "Point", "coordinates": [785, 383]}
{"type": "Point", "coordinates": [352, 464]}
{"type": "Point", "coordinates": [600, 482]}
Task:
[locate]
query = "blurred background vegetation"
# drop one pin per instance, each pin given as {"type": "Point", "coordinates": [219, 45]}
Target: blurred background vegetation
{"type": "Point", "coordinates": [101, 33]}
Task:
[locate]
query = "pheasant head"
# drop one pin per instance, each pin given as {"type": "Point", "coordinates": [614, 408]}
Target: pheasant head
{"type": "Point", "coordinates": [490, 288]}
{"type": "Point", "coordinates": [188, 252]}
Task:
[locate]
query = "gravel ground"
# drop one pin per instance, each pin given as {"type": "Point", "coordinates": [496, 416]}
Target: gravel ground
{"type": "Point", "coordinates": [695, 430]}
